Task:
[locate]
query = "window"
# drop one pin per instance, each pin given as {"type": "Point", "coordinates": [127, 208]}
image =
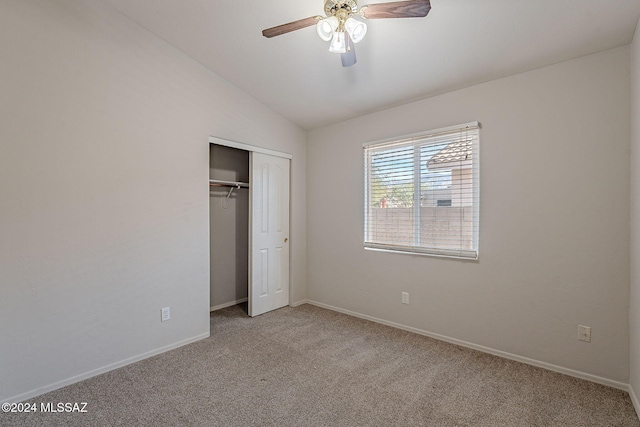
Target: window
{"type": "Point", "coordinates": [421, 193]}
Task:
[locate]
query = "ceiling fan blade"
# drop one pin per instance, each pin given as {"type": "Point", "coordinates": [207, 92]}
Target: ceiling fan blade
{"type": "Point", "coordinates": [291, 26]}
{"type": "Point", "coordinates": [349, 57]}
{"type": "Point", "coordinates": [398, 9]}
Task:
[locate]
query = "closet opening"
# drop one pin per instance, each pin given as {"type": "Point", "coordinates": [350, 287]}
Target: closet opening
{"type": "Point", "coordinates": [249, 193]}
{"type": "Point", "coordinates": [228, 226]}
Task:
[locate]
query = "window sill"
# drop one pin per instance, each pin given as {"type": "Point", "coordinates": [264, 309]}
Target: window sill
{"type": "Point", "coordinates": [456, 255]}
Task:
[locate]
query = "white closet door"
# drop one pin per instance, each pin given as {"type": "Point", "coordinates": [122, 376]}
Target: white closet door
{"type": "Point", "coordinates": [269, 250]}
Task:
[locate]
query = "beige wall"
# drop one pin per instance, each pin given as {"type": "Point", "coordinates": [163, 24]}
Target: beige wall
{"type": "Point", "coordinates": [634, 300]}
{"type": "Point", "coordinates": [554, 220]}
{"type": "Point", "coordinates": [104, 217]}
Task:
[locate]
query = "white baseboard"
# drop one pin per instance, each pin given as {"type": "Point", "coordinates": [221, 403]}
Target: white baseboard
{"type": "Point", "coordinates": [504, 354]}
{"type": "Point", "coordinates": [227, 304]}
{"type": "Point", "coordinates": [634, 399]}
{"type": "Point", "coordinates": [297, 303]}
{"type": "Point", "coordinates": [89, 374]}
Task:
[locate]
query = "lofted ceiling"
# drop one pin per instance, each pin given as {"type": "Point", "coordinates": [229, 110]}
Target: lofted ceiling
{"type": "Point", "coordinates": [460, 43]}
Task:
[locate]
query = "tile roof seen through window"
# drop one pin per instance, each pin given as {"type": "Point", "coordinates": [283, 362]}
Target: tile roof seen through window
{"type": "Point", "coordinates": [459, 151]}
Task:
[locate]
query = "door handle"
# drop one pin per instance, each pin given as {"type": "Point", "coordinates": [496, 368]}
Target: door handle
{"type": "Point", "coordinates": [286, 239]}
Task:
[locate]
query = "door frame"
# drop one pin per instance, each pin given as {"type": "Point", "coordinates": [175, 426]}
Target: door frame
{"type": "Point", "coordinates": [257, 149]}
{"type": "Point", "coordinates": [247, 147]}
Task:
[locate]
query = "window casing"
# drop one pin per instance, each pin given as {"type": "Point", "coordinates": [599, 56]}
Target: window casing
{"type": "Point", "coordinates": [422, 193]}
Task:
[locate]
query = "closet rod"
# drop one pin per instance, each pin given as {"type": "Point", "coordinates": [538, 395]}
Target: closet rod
{"type": "Point", "coordinates": [233, 184]}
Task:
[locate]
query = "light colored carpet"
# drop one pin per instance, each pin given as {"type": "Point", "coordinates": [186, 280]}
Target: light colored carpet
{"type": "Point", "coordinates": [308, 366]}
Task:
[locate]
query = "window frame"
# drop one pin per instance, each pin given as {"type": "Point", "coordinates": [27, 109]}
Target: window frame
{"type": "Point", "coordinates": [414, 140]}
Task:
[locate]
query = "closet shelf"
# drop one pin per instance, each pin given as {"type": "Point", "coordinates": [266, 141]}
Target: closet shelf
{"type": "Point", "coordinates": [232, 184]}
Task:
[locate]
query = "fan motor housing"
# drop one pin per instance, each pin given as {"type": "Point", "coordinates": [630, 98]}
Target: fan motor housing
{"type": "Point", "coordinates": [332, 7]}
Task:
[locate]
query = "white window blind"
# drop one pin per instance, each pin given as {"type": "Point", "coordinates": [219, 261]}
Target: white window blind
{"type": "Point", "coordinates": [422, 193]}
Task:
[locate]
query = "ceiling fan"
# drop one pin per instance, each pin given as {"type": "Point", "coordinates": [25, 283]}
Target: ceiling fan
{"type": "Point", "coordinates": [343, 30]}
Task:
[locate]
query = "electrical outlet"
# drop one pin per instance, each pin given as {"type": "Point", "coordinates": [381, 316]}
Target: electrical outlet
{"type": "Point", "coordinates": [166, 313]}
{"type": "Point", "coordinates": [584, 333]}
{"type": "Point", "coordinates": [405, 297]}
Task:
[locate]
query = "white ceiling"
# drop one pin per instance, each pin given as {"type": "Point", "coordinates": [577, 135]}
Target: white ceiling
{"type": "Point", "coordinates": [460, 43]}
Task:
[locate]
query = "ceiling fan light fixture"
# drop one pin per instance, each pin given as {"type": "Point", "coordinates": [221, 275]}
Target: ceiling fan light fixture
{"type": "Point", "coordinates": [356, 29]}
{"type": "Point", "coordinates": [342, 30]}
{"type": "Point", "coordinates": [326, 27]}
{"type": "Point", "coordinates": [338, 44]}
